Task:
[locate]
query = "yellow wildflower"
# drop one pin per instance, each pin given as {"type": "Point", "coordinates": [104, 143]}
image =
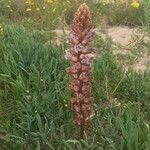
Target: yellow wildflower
{"type": "Point", "coordinates": [8, 6]}
{"type": "Point", "coordinates": [28, 1]}
{"type": "Point", "coordinates": [105, 2]}
{"type": "Point", "coordinates": [50, 1]}
{"type": "Point", "coordinates": [28, 9]}
{"type": "Point", "coordinates": [68, 1]}
{"type": "Point", "coordinates": [135, 4]}
{"type": "Point", "coordinates": [37, 9]}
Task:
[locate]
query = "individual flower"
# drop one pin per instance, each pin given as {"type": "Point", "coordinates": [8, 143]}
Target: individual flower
{"type": "Point", "coordinates": [135, 4]}
{"type": "Point", "coordinates": [28, 9]}
{"type": "Point", "coordinates": [51, 1]}
{"type": "Point", "coordinates": [38, 9]}
{"type": "Point", "coordinates": [28, 1]}
{"type": "Point", "coordinates": [1, 29]}
{"type": "Point", "coordinates": [68, 1]}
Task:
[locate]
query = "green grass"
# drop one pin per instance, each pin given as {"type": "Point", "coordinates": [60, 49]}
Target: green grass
{"type": "Point", "coordinates": [35, 102]}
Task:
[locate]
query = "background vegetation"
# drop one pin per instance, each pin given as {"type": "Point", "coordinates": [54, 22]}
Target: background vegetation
{"type": "Point", "coordinates": [34, 100]}
{"type": "Point", "coordinates": [50, 14]}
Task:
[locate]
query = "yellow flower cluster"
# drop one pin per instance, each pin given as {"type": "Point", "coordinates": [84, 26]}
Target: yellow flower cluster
{"type": "Point", "coordinates": [30, 2]}
{"type": "Point", "coordinates": [105, 2]}
{"type": "Point", "coordinates": [135, 4]}
{"type": "Point", "coordinates": [29, 9]}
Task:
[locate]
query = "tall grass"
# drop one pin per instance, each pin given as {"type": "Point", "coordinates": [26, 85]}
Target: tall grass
{"type": "Point", "coordinates": [34, 98]}
{"type": "Point", "coordinates": [147, 13]}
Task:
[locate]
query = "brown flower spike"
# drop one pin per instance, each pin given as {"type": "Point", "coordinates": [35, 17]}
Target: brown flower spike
{"type": "Point", "coordinates": [81, 56]}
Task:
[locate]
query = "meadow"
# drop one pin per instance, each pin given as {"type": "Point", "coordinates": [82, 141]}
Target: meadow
{"type": "Point", "coordinates": [35, 111]}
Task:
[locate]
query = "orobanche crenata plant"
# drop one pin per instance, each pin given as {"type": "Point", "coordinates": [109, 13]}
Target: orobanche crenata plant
{"type": "Point", "coordinates": [81, 57]}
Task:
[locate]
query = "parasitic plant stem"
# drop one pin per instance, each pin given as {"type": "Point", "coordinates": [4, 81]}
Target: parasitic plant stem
{"type": "Point", "coordinates": [81, 56]}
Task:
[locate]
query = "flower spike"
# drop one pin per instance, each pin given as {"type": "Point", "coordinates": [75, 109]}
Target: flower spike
{"type": "Point", "coordinates": [81, 56]}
